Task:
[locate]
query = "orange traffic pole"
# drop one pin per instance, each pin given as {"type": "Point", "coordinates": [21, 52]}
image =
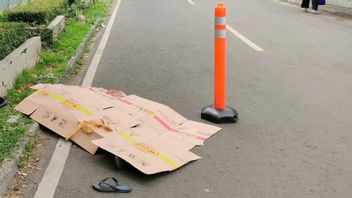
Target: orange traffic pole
{"type": "Point", "coordinates": [220, 57]}
{"type": "Point", "coordinates": [219, 112]}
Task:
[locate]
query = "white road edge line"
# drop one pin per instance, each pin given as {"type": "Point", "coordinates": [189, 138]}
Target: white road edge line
{"type": "Point", "coordinates": [50, 180]}
{"type": "Point", "coordinates": [244, 39]}
{"type": "Point", "coordinates": [52, 174]}
{"type": "Point", "coordinates": [191, 2]}
{"type": "Point", "coordinates": [88, 79]}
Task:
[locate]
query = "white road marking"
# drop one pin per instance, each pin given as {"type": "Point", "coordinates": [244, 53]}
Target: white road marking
{"type": "Point", "coordinates": [239, 35]}
{"type": "Point", "coordinates": [244, 39]}
{"type": "Point", "coordinates": [191, 2]}
{"type": "Point", "coordinates": [50, 180]}
{"type": "Point", "coordinates": [52, 174]}
{"type": "Point", "coordinates": [88, 79]}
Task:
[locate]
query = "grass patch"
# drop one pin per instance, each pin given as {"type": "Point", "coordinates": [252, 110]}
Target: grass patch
{"type": "Point", "coordinates": [32, 143]}
{"type": "Point", "coordinates": [40, 5]}
{"type": "Point", "coordinates": [37, 11]}
{"type": "Point", "coordinates": [12, 35]}
{"type": "Point", "coordinates": [9, 132]}
{"type": "Point", "coordinates": [51, 67]}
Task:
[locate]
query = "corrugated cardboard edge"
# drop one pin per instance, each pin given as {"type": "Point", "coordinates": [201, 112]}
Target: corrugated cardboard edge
{"type": "Point", "coordinates": [9, 167]}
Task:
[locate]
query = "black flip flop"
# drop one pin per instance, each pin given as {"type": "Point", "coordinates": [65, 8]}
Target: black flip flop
{"type": "Point", "coordinates": [111, 184]}
{"type": "Point", "coordinates": [2, 102]}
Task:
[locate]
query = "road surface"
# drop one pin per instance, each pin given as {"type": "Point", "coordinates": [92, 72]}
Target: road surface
{"type": "Point", "coordinates": [293, 138]}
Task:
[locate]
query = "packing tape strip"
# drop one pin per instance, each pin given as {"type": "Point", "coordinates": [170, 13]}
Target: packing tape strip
{"type": "Point", "coordinates": [89, 126]}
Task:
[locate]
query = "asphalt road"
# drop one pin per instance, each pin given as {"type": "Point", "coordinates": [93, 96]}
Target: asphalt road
{"type": "Point", "coordinates": [293, 138]}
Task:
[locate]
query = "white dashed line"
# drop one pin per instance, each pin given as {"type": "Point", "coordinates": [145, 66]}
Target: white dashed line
{"type": "Point", "coordinates": [244, 39]}
{"type": "Point", "coordinates": [191, 2]}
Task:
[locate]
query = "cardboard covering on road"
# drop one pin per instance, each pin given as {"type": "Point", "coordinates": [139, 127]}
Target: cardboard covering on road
{"type": "Point", "coordinates": [150, 136]}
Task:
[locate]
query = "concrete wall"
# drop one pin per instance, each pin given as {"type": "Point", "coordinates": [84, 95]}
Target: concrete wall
{"type": "Point", "coordinates": [57, 25]}
{"type": "Point", "coordinates": [25, 56]}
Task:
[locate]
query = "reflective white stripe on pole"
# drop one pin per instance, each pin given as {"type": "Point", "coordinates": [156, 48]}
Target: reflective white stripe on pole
{"type": "Point", "coordinates": [220, 33]}
{"type": "Point", "coordinates": [220, 20]}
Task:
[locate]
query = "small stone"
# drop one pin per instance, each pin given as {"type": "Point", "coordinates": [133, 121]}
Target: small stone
{"type": "Point", "coordinates": [81, 18]}
{"type": "Point", "coordinates": [206, 190]}
{"type": "Point", "coordinates": [13, 118]}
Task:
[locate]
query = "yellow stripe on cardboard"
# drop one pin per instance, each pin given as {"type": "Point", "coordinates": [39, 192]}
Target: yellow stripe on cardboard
{"type": "Point", "coordinates": [153, 153]}
{"type": "Point", "coordinates": [65, 102]}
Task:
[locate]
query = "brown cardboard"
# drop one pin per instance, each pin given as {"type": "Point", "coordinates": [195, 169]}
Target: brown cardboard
{"type": "Point", "coordinates": [151, 136]}
{"type": "Point", "coordinates": [61, 108]}
{"type": "Point", "coordinates": [160, 109]}
{"type": "Point", "coordinates": [161, 130]}
{"type": "Point", "coordinates": [146, 152]}
{"type": "Point", "coordinates": [122, 121]}
{"type": "Point", "coordinates": [57, 120]}
{"type": "Point", "coordinates": [166, 121]}
{"type": "Point", "coordinates": [171, 138]}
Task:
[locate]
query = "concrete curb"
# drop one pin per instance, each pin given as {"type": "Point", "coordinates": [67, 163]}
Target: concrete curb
{"type": "Point", "coordinates": [330, 9]}
{"type": "Point", "coordinates": [9, 167]}
{"type": "Point", "coordinates": [24, 56]}
{"type": "Point", "coordinates": [70, 65]}
{"type": "Point", "coordinates": [57, 26]}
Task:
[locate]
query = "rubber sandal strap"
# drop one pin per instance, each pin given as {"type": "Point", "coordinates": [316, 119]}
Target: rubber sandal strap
{"type": "Point", "coordinates": [114, 186]}
{"type": "Point", "coordinates": [110, 178]}
{"type": "Point", "coordinates": [105, 183]}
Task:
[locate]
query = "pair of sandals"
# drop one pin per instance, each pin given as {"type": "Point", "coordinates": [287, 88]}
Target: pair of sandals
{"type": "Point", "coordinates": [111, 184]}
{"type": "Point", "coordinates": [2, 102]}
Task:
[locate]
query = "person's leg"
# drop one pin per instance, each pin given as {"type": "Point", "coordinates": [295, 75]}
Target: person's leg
{"type": "Point", "coordinates": [305, 4]}
{"type": "Point", "coordinates": [315, 4]}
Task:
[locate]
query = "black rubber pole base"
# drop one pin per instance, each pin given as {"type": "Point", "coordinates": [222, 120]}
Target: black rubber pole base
{"type": "Point", "coordinates": [228, 115]}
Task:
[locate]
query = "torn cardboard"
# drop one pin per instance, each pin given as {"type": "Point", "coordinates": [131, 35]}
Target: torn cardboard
{"type": "Point", "coordinates": [148, 153]}
{"type": "Point", "coordinates": [150, 136]}
{"type": "Point", "coordinates": [62, 108]}
{"type": "Point", "coordinates": [166, 121]}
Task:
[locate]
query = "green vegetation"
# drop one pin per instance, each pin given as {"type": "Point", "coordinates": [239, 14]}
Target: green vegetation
{"type": "Point", "coordinates": [51, 67]}
{"type": "Point", "coordinates": [37, 11]}
{"type": "Point", "coordinates": [32, 143]}
{"type": "Point", "coordinates": [12, 35]}
{"type": "Point", "coordinates": [10, 133]}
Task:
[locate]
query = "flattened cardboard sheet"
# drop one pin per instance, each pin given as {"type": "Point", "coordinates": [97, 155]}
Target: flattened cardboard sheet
{"type": "Point", "coordinates": [148, 154]}
{"type": "Point", "coordinates": [151, 136]}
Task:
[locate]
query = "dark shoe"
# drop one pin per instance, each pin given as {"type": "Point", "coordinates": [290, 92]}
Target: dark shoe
{"type": "Point", "coordinates": [2, 102]}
